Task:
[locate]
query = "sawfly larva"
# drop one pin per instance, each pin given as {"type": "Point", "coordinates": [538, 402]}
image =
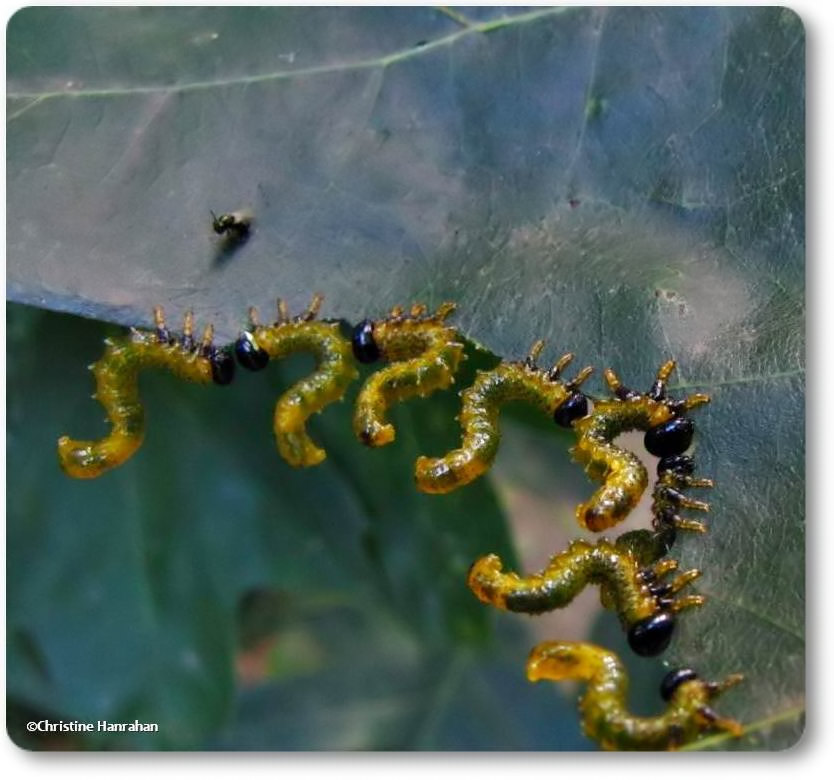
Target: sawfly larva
{"type": "Point", "coordinates": [667, 433]}
{"type": "Point", "coordinates": [117, 389]}
{"type": "Point", "coordinates": [645, 604]}
{"type": "Point", "coordinates": [334, 371]}
{"type": "Point", "coordinates": [604, 709]}
{"type": "Point", "coordinates": [509, 381]}
{"type": "Point", "coordinates": [423, 353]}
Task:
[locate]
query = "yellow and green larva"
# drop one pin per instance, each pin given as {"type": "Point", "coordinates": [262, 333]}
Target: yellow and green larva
{"type": "Point", "coordinates": [334, 371]}
{"type": "Point", "coordinates": [645, 604]}
{"type": "Point", "coordinates": [624, 477]}
{"type": "Point", "coordinates": [423, 353]}
{"type": "Point", "coordinates": [604, 709]}
{"type": "Point", "coordinates": [117, 389]}
{"type": "Point", "coordinates": [481, 403]}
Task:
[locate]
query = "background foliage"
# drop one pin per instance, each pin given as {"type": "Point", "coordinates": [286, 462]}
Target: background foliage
{"type": "Point", "coordinates": [627, 183]}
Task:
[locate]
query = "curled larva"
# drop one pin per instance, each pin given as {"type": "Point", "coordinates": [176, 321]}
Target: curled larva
{"type": "Point", "coordinates": [509, 381]}
{"type": "Point", "coordinates": [334, 371]}
{"type": "Point", "coordinates": [624, 477]}
{"type": "Point", "coordinates": [604, 709]}
{"type": "Point", "coordinates": [423, 353]}
{"type": "Point", "coordinates": [117, 389]}
{"type": "Point", "coordinates": [645, 604]}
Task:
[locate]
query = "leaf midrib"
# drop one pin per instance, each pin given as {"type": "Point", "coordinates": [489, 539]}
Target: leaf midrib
{"type": "Point", "coordinates": [382, 61]}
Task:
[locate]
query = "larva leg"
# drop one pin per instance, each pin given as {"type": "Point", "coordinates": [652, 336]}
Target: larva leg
{"type": "Point", "coordinates": [645, 603]}
{"type": "Point", "coordinates": [423, 354]}
{"type": "Point", "coordinates": [604, 708]}
{"type": "Point", "coordinates": [117, 390]}
{"type": "Point", "coordinates": [481, 403]}
{"type": "Point", "coordinates": [674, 473]}
{"type": "Point", "coordinates": [668, 433]}
{"type": "Point", "coordinates": [334, 371]}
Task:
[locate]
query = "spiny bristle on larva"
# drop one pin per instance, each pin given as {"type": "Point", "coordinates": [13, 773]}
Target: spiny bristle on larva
{"type": "Point", "coordinates": [664, 567]}
{"type": "Point", "coordinates": [686, 524]}
{"type": "Point", "coordinates": [444, 310]}
{"type": "Point", "coordinates": [283, 311]}
{"type": "Point", "coordinates": [534, 353]}
{"type": "Point", "coordinates": [611, 379]}
{"type": "Point", "coordinates": [697, 399]}
{"type": "Point", "coordinates": [688, 602]}
{"type": "Point", "coordinates": [313, 308]}
{"type": "Point", "coordinates": [159, 317]}
{"type": "Point", "coordinates": [561, 364]}
{"type": "Point", "coordinates": [580, 378]}
{"type": "Point", "coordinates": [665, 371]}
{"type": "Point", "coordinates": [208, 336]}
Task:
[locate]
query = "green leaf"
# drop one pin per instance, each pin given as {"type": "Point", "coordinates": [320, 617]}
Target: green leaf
{"type": "Point", "coordinates": [626, 183]}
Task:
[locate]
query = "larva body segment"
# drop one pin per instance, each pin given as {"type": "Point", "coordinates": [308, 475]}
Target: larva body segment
{"type": "Point", "coordinates": [646, 546]}
{"type": "Point", "coordinates": [622, 473]}
{"type": "Point", "coordinates": [423, 355]}
{"type": "Point", "coordinates": [644, 603]}
{"type": "Point", "coordinates": [334, 370]}
{"type": "Point", "coordinates": [603, 707]}
{"type": "Point", "coordinates": [509, 381]}
{"type": "Point", "coordinates": [117, 390]}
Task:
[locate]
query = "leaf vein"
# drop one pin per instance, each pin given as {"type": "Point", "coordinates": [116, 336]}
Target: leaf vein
{"type": "Point", "coordinates": [316, 70]}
